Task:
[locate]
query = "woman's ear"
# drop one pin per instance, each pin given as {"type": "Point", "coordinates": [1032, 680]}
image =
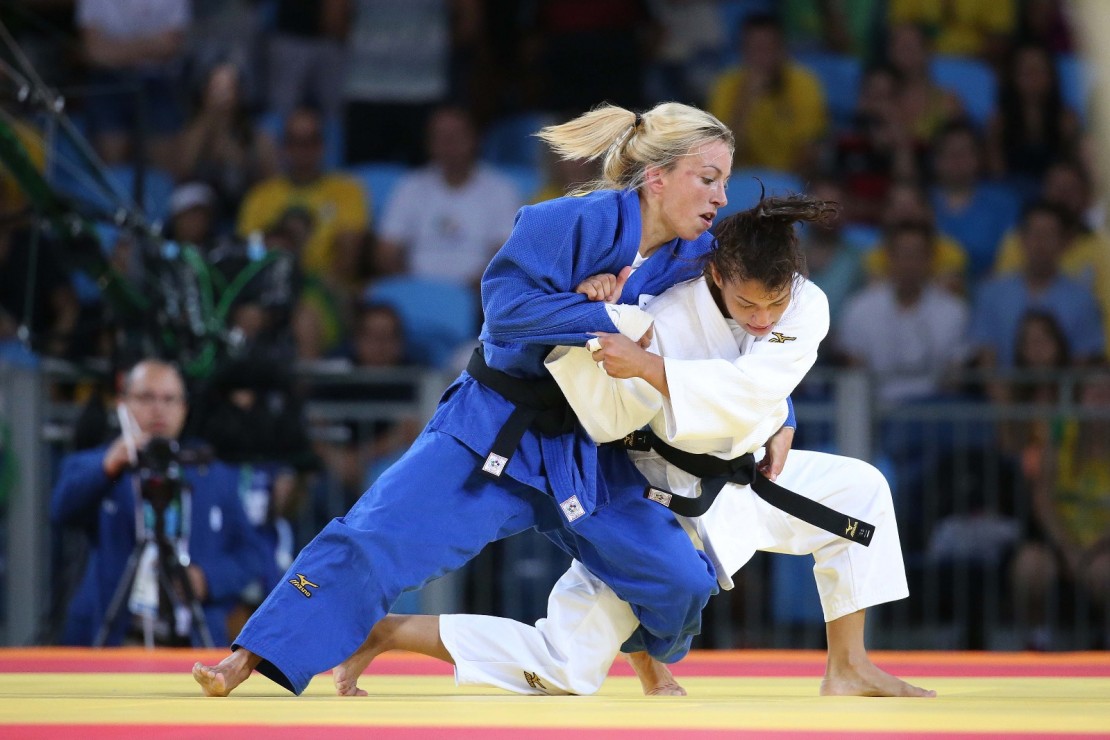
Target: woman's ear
{"type": "Point", "coordinates": [716, 276]}
{"type": "Point", "coordinates": [653, 179]}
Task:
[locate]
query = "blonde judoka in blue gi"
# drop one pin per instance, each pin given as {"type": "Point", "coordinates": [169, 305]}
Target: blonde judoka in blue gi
{"type": "Point", "coordinates": [664, 176]}
{"type": "Point", "coordinates": [728, 348]}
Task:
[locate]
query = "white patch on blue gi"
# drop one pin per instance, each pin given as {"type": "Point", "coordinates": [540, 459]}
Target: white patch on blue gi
{"type": "Point", "coordinates": [571, 508]}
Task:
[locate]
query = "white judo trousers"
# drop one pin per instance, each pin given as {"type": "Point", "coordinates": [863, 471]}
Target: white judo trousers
{"type": "Point", "coordinates": [728, 395]}
{"type": "Point", "coordinates": [570, 651]}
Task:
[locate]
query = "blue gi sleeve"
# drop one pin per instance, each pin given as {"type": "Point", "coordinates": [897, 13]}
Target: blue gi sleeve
{"type": "Point", "coordinates": [527, 290]}
{"type": "Point", "coordinates": [791, 421]}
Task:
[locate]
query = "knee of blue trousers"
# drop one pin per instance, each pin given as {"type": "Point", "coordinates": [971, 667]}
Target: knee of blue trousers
{"type": "Point", "coordinates": [669, 635]}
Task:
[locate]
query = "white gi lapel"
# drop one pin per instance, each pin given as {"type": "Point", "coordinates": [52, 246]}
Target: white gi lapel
{"type": "Point", "coordinates": [694, 329]}
{"type": "Point", "coordinates": [718, 337]}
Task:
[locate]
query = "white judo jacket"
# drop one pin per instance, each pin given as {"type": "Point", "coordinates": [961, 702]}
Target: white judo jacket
{"type": "Point", "coordinates": [727, 406]}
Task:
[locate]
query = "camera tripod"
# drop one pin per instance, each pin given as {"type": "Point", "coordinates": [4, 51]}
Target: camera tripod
{"type": "Point", "coordinates": [175, 592]}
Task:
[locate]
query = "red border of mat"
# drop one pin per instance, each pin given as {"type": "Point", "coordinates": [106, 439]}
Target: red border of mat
{"type": "Point", "coordinates": [342, 732]}
{"type": "Point", "coordinates": [723, 663]}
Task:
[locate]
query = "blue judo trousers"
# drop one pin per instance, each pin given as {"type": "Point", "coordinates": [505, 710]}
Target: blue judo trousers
{"type": "Point", "coordinates": [433, 510]}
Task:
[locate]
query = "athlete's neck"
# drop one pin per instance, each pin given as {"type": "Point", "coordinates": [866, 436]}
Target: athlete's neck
{"type": "Point", "coordinates": [654, 233]}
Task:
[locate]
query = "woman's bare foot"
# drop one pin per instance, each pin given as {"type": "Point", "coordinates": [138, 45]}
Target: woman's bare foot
{"type": "Point", "coordinates": [346, 674]}
{"type": "Point", "coordinates": [418, 633]}
{"type": "Point", "coordinates": [655, 677]}
{"type": "Point", "coordinates": [222, 678]}
{"type": "Point", "coordinates": [850, 672]}
{"type": "Point", "coordinates": [867, 679]}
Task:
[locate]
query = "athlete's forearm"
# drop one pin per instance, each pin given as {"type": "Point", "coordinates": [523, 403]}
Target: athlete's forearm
{"type": "Point", "coordinates": [654, 371]}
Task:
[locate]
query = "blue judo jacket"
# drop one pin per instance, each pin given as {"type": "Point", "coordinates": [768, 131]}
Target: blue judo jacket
{"type": "Point", "coordinates": [221, 541]}
{"type": "Point", "coordinates": [530, 306]}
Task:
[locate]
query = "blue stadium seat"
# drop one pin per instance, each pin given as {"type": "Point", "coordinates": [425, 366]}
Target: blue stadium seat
{"type": "Point", "coordinates": [733, 13]}
{"type": "Point", "coordinates": [840, 77]}
{"type": "Point", "coordinates": [861, 236]}
{"type": "Point", "coordinates": [273, 123]}
{"type": "Point", "coordinates": [528, 180]}
{"type": "Point", "coordinates": [511, 140]}
{"type": "Point", "coordinates": [1075, 82]}
{"type": "Point", "coordinates": [86, 191]}
{"type": "Point", "coordinates": [157, 188]}
{"type": "Point", "coordinates": [744, 188]}
{"type": "Point", "coordinates": [971, 80]}
{"type": "Point", "coordinates": [62, 151]}
{"type": "Point", "coordinates": [438, 315]}
{"type": "Point", "coordinates": [794, 598]}
{"type": "Point", "coordinates": [378, 179]}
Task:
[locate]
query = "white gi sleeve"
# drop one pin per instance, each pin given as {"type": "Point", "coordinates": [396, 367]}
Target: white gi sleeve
{"type": "Point", "coordinates": [607, 408]}
{"type": "Point", "coordinates": [630, 321]}
{"type": "Point", "coordinates": [711, 399]}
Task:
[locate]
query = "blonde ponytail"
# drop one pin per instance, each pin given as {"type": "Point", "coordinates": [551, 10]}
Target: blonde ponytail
{"type": "Point", "coordinates": [630, 143]}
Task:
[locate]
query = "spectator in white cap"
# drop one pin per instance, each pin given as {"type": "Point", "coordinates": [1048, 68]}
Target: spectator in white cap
{"type": "Point", "coordinates": [193, 214]}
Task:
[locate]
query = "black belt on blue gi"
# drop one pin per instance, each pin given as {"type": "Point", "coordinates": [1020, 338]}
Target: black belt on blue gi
{"type": "Point", "coordinates": [715, 472]}
{"type": "Point", "coordinates": [538, 403]}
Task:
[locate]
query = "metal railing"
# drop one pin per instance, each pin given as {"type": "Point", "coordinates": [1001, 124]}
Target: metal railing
{"type": "Point", "coordinates": [963, 507]}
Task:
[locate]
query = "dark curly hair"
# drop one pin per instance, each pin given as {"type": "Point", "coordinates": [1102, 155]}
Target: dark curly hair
{"type": "Point", "coordinates": [761, 244]}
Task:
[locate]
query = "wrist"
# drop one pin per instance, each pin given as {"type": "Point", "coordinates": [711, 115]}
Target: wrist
{"type": "Point", "coordinates": [111, 465]}
{"type": "Point", "coordinates": [655, 373]}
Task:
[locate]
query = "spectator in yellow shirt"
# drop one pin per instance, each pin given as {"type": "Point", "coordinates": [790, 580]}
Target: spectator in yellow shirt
{"type": "Point", "coordinates": [337, 202]}
{"type": "Point", "coordinates": [1065, 558]}
{"type": "Point", "coordinates": [776, 108]}
{"type": "Point", "coordinates": [974, 28]}
{"type": "Point", "coordinates": [906, 203]}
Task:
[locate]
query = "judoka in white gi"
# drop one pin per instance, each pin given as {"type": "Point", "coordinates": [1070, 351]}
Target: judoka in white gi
{"type": "Point", "coordinates": [727, 351]}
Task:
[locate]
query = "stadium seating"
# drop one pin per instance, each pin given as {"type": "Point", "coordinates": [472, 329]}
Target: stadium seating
{"type": "Point", "coordinates": [527, 179]}
{"type": "Point", "coordinates": [840, 78]}
{"type": "Point", "coordinates": [510, 141]}
{"type": "Point", "coordinates": [794, 599]}
{"type": "Point", "coordinates": [1075, 82]}
{"type": "Point", "coordinates": [98, 202]}
{"type": "Point", "coordinates": [438, 315]}
{"type": "Point", "coordinates": [744, 187]}
{"type": "Point", "coordinates": [971, 80]}
{"type": "Point", "coordinates": [378, 180]}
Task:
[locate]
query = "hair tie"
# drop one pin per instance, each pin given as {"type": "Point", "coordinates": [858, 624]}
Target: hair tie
{"type": "Point", "coordinates": [626, 137]}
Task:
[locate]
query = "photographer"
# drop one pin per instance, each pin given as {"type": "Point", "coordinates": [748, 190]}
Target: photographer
{"type": "Point", "coordinates": [131, 510]}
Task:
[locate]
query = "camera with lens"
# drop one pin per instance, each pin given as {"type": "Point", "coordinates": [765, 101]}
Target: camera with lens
{"type": "Point", "coordinates": [159, 467]}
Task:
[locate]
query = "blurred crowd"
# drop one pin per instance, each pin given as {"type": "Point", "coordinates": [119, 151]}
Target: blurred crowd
{"type": "Point", "coordinates": [374, 141]}
{"type": "Point", "coordinates": [382, 148]}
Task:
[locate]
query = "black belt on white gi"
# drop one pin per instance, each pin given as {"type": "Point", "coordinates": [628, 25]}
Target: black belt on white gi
{"type": "Point", "coordinates": [538, 403]}
{"type": "Point", "coordinates": [715, 472]}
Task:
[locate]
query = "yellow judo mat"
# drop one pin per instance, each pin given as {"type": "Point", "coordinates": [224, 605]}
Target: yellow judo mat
{"type": "Point", "coordinates": [78, 694]}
